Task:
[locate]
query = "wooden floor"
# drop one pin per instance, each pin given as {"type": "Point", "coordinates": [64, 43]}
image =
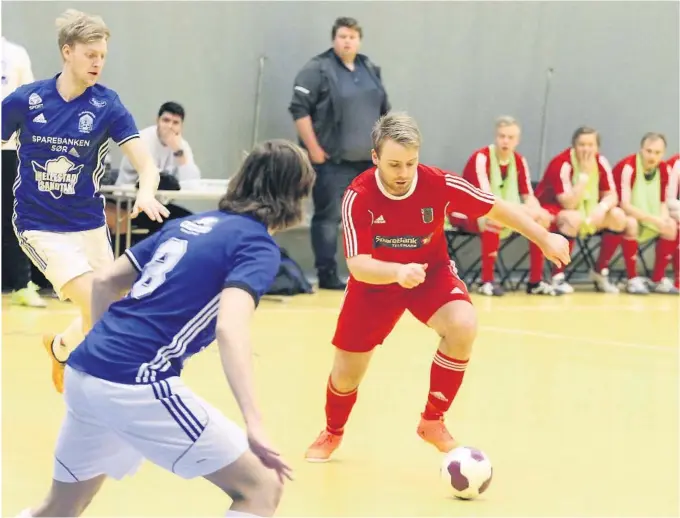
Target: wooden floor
{"type": "Point", "coordinates": [574, 399]}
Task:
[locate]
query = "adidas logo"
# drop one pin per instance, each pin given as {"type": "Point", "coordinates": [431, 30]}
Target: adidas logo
{"type": "Point", "coordinates": [456, 291]}
{"type": "Point", "coordinates": [74, 152]}
{"type": "Point", "coordinates": [438, 395]}
{"type": "Point", "coordinates": [380, 219]}
{"type": "Point", "coordinates": [40, 118]}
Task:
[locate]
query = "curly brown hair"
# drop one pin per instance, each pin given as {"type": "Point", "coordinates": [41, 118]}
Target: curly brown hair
{"type": "Point", "coordinates": [271, 185]}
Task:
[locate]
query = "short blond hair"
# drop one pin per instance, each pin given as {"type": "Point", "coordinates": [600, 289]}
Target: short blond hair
{"type": "Point", "coordinates": [399, 127]}
{"type": "Point", "coordinates": [77, 27]}
{"type": "Point", "coordinates": [506, 120]}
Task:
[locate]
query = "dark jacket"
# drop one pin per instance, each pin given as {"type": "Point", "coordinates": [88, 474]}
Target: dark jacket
{"type": "Point", "coordinates": [316, 93]}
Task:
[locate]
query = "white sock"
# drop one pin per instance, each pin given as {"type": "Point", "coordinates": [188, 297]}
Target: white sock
{"type": "Point", "coordinates": [243, 515]}
{"type": "Point", "coordinates": [26, 513]}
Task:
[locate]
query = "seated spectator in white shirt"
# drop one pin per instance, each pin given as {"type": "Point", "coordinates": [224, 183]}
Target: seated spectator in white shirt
{"type": "Point", "coordinates": [171, 152]}
{"type": "Point", "coordinates": [172, 155]}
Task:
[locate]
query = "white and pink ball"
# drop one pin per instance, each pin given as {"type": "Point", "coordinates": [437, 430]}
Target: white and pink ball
{"type": "Point", "coordinates": [468, 471]}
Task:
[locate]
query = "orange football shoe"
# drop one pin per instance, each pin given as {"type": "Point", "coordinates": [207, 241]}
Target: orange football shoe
{"type": "Point", "coordinates": [436, 433]}
{"type": "Point", "coordinates": [324, 446]}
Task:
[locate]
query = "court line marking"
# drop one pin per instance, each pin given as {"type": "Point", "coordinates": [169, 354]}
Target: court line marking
{"type": "Point", "coordinates": [510, 330]}
{"type": "Point", "coordinates": [582, 339]}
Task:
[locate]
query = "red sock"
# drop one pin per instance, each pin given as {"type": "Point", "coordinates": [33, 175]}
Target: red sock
{"type": "Point", "coordinates": [490, 243]}
{"type": "Point", "coordinates": [560, 269]}
{"type": "Point", "coordinates": [338, 407]}
{"type": "Point", "coordinates": [630, 249]}
{"type": "Point", "coordinates": [535, 263]}
{"type": "Point", "coordinates": [610, 242]}
{"type": "Point", "coordinates": [664, 253]}
{"type": "Point", "coordinates": [446, 376]}
{"type": "Point", "coordinates": [676, 261]}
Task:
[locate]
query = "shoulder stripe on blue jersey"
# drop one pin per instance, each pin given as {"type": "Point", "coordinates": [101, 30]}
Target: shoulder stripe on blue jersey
{"type": "Point", "coordinates": [176, 348]}
{"type": "Point", "coordinates": [133, 260]}
{"type": "Point", "coordinates": [186, 420]}
{"type": "Point", "coordinates": [127, 139]}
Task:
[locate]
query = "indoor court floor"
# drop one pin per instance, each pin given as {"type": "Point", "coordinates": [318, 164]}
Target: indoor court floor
{"type": "Point", "coordinates": [574, 399]}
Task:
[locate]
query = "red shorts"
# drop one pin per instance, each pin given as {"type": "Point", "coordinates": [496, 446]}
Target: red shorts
{"type": "Point", "coordinates": [369, 312]}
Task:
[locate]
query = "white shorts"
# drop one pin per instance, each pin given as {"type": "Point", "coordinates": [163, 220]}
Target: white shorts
{"type": "Point", "coordinates": [110, 428]}
{"type": "Point", "coordinates": [63, 256]}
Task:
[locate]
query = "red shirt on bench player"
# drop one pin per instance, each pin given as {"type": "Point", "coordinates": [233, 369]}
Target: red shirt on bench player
{"type": "Point", "coordinates": [642, 183]}
{"type": "Point", "coordinates": [502, 171]}
{"type": "Point", "coordinates": [577, 189]}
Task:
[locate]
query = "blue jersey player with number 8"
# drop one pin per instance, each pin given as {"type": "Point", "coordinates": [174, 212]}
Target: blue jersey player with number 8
{"type": "Point", "coordinates": [198, 279]}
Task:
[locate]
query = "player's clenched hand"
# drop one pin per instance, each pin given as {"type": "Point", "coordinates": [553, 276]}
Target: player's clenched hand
{"type": "Point", "coordinates": [411, 275]}
{"type": "Point", "coordinates": [151, 207]}
{"type": "Point", "coordinates": [259, 445]}
{"type": "Point", "coordinates": [556, 248]}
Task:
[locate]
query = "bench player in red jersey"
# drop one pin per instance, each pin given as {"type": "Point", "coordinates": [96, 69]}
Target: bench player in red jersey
{"type": "Point", "coordinates": [578, 189]}
{"type": "Point", "coordinates": [501, 170]}
{"type": "Point", "coordinates": [393, 221]}
{"type": "Point", "coordinates": [673, 195]}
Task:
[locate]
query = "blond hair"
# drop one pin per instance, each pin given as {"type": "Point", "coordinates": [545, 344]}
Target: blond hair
{"type": "Point", "coordinates": [77, 27]}
{"type": "Point", "coordinates": [399, 127]}
{"type": "Point", "coordinates": [506, 120]}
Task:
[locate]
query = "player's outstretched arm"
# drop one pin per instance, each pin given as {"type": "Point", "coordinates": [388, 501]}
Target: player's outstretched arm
{"type": "Point", "coordinates": [110, 284]}
{"type": "Point", "coordinates": [233, 338]}
{"type": "Point", "coordinates": [554, 246]}
{"type": "Point", "coordinates": [149, 177]}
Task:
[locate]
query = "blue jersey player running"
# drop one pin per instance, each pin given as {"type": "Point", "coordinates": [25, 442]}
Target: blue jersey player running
{"type": "Point", "coordinates": [63, 126]}
{"type": "Point", "coordinates": [197, 279]}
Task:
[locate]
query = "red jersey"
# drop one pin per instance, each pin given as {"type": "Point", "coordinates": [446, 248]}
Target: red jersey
{"type": "Point", "coordinates": [410, 228]}
{"type": "Point", "coordinates": [558, 178]}
{"type": "Point", "coordinates": [673, 164]}
{"type": "Point", "coordinates": [478, 170]}
{"type": "Point", "coordinates": [625, 174]}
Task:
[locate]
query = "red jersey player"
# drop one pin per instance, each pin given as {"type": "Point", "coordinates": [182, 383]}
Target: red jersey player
{"type": "Point", "coordinates": [501, 170]}
{"type": "Point", "coordinates": [642, 184]}
{"type": "Point", "coordinates": [393, 221]}
{"type": "Point", "coordinates": [673, 195]}
{"type": "Point", "coordinates": [578, 190]}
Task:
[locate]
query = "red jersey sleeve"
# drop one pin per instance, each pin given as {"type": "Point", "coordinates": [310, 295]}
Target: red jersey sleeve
{"type": "Point", "coordinates": [606, 178]}
{"type": "Point", "coordinates": [356, 224]}
{"type": "Point", "coordinates": [523, 176]}
{"type": "Point", "coordinates": [477, 171]}
{"type": "Point", "coordinates": [559, 175]}
{"type": "Point", "coordinates": [625, 174]}
{"type": "Point", "coordinates": [465, 198]}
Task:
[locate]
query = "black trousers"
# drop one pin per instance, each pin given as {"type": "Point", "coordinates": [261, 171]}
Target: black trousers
{"type": "Point", "coordinates": [16, 266]}
{"type": "Point", "coordinates": [331, 182]}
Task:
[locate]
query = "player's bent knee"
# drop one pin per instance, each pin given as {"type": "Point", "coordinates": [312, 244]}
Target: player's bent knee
{"type": "Point", "coordinates": [617, 219]}
{"type": "Point", "coordinates": [70, 499]}
{"type": "Point", "coordinates": [349, 369]}
{"type": "Point", "coordinates": [569, 222]}
{"type": "Point", "coordinates": [248, 482]}
{"type": "Point", "coordinates": [456, 323]}
{"type": "Point", "coordinates": [79, 291]}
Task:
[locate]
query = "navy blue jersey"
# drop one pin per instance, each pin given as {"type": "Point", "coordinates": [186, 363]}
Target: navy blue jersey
{"type": "Point", "coordinates": [61, 148]}
{"type": "Point", "coordinates": [170, 313]}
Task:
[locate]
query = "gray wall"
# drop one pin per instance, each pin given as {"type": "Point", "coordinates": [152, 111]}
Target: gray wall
{"type": "Point", "coordinates": [456, 66]}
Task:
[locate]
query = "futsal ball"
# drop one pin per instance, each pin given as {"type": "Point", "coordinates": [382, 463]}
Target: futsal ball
{"type": "Point", "coordinates": [467, 471]}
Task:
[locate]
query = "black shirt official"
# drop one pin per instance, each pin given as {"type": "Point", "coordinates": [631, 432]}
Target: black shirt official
{"type": "Point", "coordinates": [337, 97]}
